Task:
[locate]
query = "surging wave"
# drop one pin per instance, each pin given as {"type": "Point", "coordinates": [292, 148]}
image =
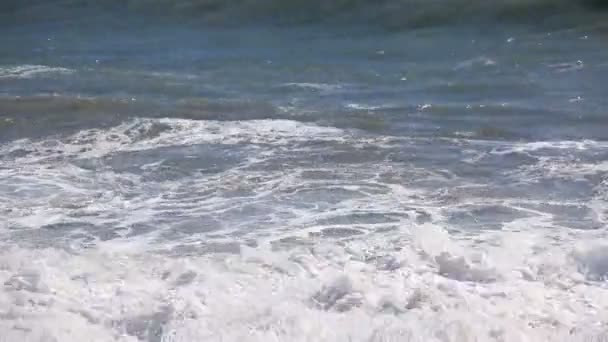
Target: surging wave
{"type": "Point", "coordinates": [163, 229]}
{"type": "Point", "coordinates": [391, 13]}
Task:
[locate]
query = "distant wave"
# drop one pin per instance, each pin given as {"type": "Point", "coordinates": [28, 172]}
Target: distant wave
{"type": "Point", "coordinates": [390, 13]}
{"type": "Point", "coordinates": [30, 71]}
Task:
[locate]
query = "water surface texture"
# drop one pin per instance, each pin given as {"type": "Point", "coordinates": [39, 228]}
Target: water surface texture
{"type": "Point", "coordinates": [396, 170]}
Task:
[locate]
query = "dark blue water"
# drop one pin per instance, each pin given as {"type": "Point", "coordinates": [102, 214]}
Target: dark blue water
{"type": "Point", "coordinates": [504, 81]}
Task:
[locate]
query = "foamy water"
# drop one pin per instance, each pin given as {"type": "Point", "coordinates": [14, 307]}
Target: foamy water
{"type": "Point", "coordinates": [111, 237]}
{"type": "Point", "coordinates": [392, 175]}
{"type": "Point", "coordinates": [29, 71]}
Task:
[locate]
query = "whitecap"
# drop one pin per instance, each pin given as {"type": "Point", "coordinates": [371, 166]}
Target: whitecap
{"type": "Point", "coordinates": [314, 86]}
{"type": "Point", "coordinates": [31, 71]}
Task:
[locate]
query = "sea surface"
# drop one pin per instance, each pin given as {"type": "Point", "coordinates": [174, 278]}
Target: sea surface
{"type": "Point", "coordinates": [342, 170]}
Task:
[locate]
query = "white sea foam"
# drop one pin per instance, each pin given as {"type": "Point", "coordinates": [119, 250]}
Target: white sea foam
{"type": "Point", "coordinates": [481, 61]}
{"type": "Point", "coordinates": [556, 145]}
{"type": "Point", "coordinates": [329, 293]}
{"type": "Point", "coordinates": [146, 134]}
{"type": "Point", "coordinates": [359, 106]}
{"type": "Point", "coordinates": [325, 87]}
{"type": "Point", "coordinates": [30, 71]}
{"type": "Point", "coordinates": [285, 240]}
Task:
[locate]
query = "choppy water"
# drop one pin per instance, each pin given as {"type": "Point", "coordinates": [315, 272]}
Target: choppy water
{"type": "Point", "coordinates": [376, 178]}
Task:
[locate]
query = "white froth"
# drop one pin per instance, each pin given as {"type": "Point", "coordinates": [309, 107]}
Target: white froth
{"type": "Point", "coordinates": [360, 106]}
{"type": "Point", "coordinates": [593, 262]}
{"type": "Point", "coordinates": [329, 293]}
{"type": "Point", "coordinates": [557, 145]}
{"type": "Point", "coordinates": [315, 86]}
{"type": "Point", "coordinates": [566, 167]}
{"type": "Point", "coordinates": [145, 134]}
{"type": "Point", "coordinates": [320, 252]}
{"type": "Point", "coordinates": [30, 71]}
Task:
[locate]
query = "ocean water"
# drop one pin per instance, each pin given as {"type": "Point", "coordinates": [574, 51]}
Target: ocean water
{"type": "Point", "coordinates": [396, 170]}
